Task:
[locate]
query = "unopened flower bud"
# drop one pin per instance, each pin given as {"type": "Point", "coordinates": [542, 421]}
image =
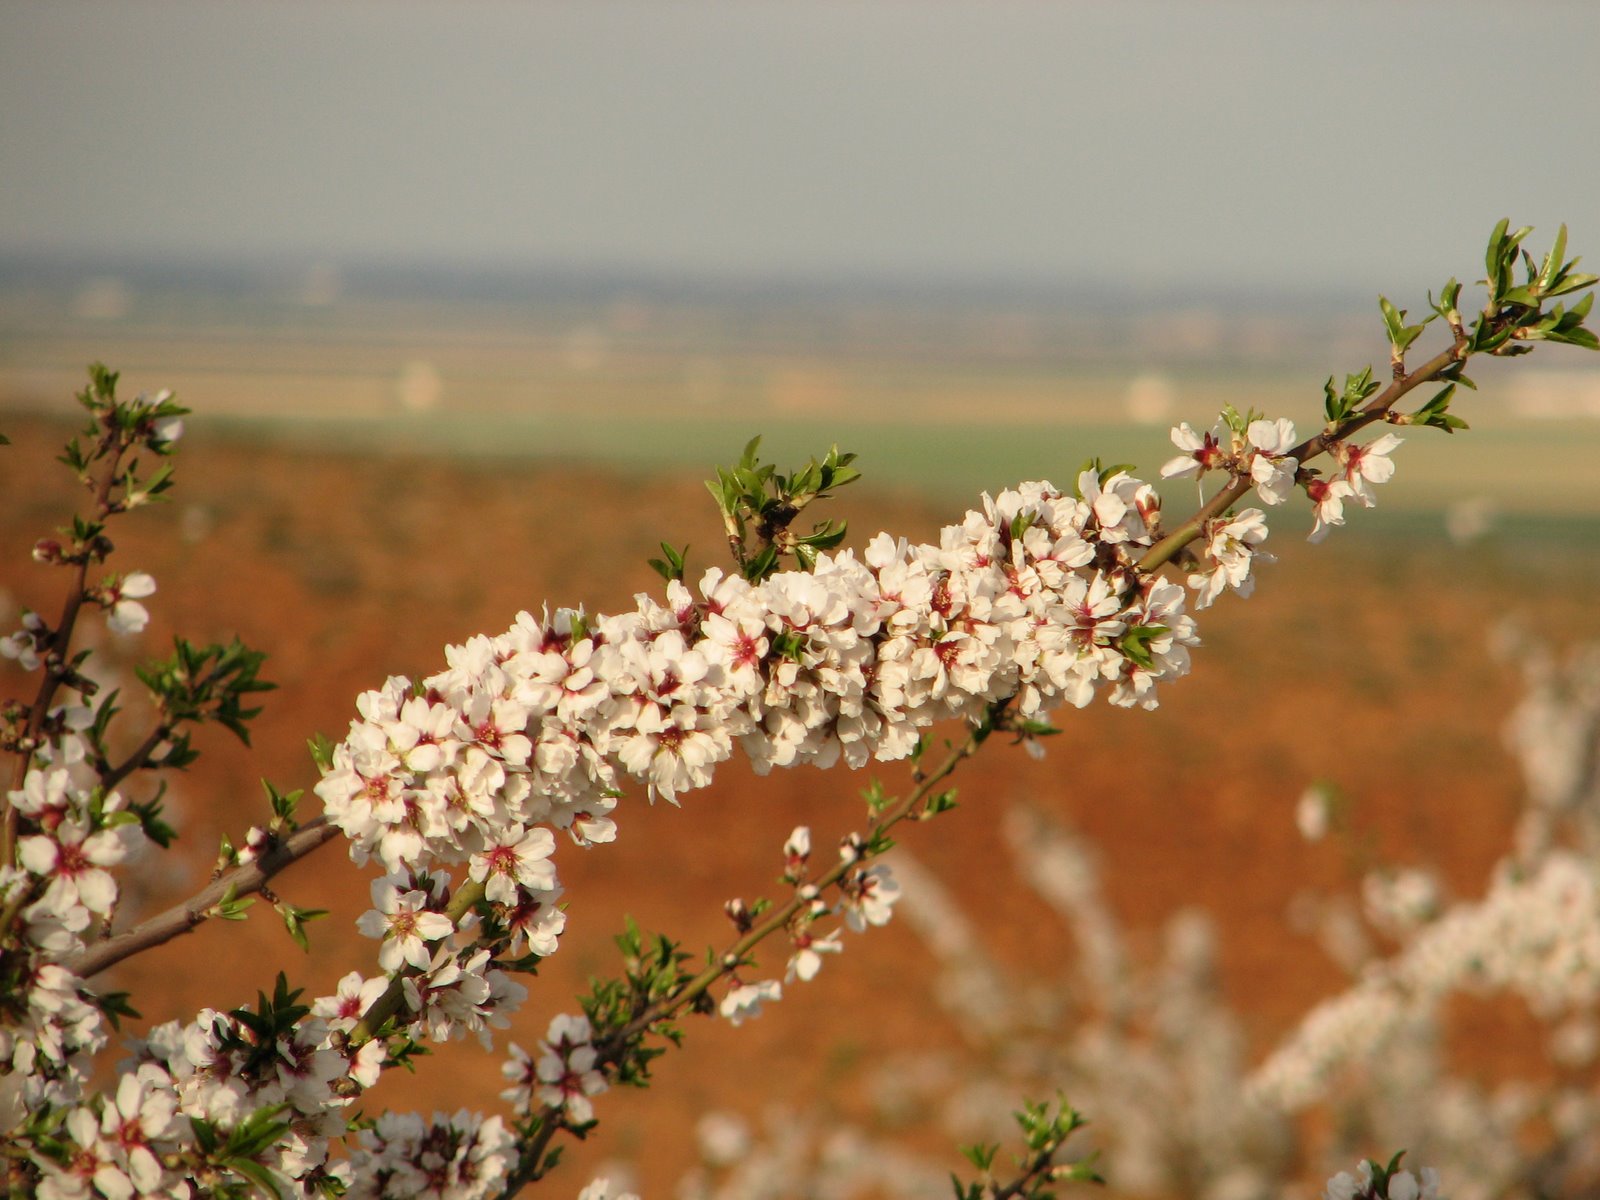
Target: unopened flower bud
{"type": "Point", "coordinates": [739, 914]}
{"type": "Point", "coordinates": [255, 841]}
{"type": "Point", "coordinates": [796, 852]}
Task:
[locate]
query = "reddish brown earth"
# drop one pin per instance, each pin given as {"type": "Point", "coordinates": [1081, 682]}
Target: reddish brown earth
{"type": "Point", "coordinates": [1362, 661]}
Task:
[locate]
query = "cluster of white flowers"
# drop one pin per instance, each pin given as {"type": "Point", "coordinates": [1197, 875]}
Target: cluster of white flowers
{"type": "Point", "coordinates": [1261, 451]}
{"type": "Point", "coordinates": [220, 1070]}
{"type": "Point", "coordinates": [1400, 1185]}
{"type": "Point", "coordinates": [1035, 597]}
{"type": "Point", "coordinates": [1536, 935]}
{"type": "Point", "coordinates": [215, 1068]}
{"type": "Point", "coordinates": [564, 1074]}
{"type": "Point", "coordinates": [61, 887]}
{"type": "Point", "coordinates": [462, 1157]}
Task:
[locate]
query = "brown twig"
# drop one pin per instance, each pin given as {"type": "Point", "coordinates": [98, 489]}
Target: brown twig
{"type": "Point", "coordinates": [183, 918]}
{"type": "Point", "coordinates": [110, 775]}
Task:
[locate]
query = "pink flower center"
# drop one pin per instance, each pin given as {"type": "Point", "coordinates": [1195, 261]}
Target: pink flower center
{"type": "Point", "coordinates": [71, 860]}
{"type": "Point", "coordinates": [503, 860]}
{"type": "Point", "coordinates": [746, 653]}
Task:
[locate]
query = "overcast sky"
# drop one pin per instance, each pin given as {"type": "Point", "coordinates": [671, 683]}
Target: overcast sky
{"type": "Point", "coordinates": [1353, 145]}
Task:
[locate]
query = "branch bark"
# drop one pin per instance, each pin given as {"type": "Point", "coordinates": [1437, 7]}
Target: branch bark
{"type": "Point", "coordinates": [183, 918]}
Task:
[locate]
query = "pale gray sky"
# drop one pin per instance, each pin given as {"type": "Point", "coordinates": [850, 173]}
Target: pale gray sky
{"type": "Point", "coordinates": [1355, 145]}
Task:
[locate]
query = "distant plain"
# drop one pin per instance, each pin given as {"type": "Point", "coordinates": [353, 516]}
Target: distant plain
{"type": "Point", "coordinates": [945, 397]}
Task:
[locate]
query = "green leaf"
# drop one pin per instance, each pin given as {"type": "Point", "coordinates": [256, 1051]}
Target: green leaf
{"type": "Point", "coordinates": [1135, 644]}
{"type": "Point", "coordinates": [1553, 261]}
{"type": "Point", "coordinates": [875, 796]}
{"type": "Point", "coordinates": [205, 1135]}
{"type": "Point", "coordinates": [295, 919]}
{"type": "Point", "coordinates": [115, 1006]}
{"type": "Point", "coordinates": [1035, 729]}
{"type": "Point", "coordinates": [670, 567]}
{"type": "Point", "coordinates": [824, 536]}
{"type": "Point", "coordinates": [1401, 335]}
{"type": "Point", "coordinates": [321, 751]}
{"type": "Point", "coordinates": [283, 804]}
{"type": "Point", "coordinates": [1581, 338]}
{"type": "Point", "coordinates": [1496, 240]}
{"type": "Point", "coordinates": [1393, 318]}
{"type": "Point", "coordinates": [232, 907]}
{"type": "Point", "coordinates": [1572, 283]}
{"type": "Point", "coordinates": [1449, 296]}
{"type": "Point", "coordinates": [1331, 404]}
{"type": "Point", "coordinates": [980, 1154]}
{"type": "Point", "coordinates": [148, 814]}
{"type": "Point", "coordinates": [762, 565]}
{"type": "Point", "coordinates": [257, 1174]}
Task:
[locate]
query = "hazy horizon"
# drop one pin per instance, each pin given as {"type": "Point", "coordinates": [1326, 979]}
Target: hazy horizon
{"type": "Point", "coordinates": [1146, 148]}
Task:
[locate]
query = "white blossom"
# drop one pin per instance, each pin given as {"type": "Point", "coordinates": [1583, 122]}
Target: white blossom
{"type": "Point", "coordinates": [1272, 469]}
{"type": "Point", "coordinates": [1201, 452]}
{"type": "Point", "coordinates": [1366, 465]}
{"type": "Point", "coordinates": [122, 600]}
{"type": "Point", "coordinates": [404, 922]}
{"type": "Point", "coordinates": [744, 1000]}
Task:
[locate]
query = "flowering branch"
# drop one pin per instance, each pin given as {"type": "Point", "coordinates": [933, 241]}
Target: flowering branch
{"type": "Point", "coordinates": [115, 430]}
{"type": "Point", "coordinates": [1512, 318]}
{"type": "Point", "coordinates": [1312, 447]}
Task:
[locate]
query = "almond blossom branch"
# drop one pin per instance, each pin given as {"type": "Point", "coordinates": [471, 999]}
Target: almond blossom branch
{"type": "Point", "coordinates": [1168, 547]}
{"type": "Point", "coordinates": [58, 642]}
{"type": "Point", "coordinates": [1038, 598]}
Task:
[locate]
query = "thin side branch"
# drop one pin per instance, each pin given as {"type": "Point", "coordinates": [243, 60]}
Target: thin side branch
{"type": "Point", "coordinates": [610, 1049]}
{"type": "Point", "coordinates": [57, 654]}
{"type": "Point", "coordinates": [183, 918]}
{"type": "Point", "coordinates": [1168, 547]}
